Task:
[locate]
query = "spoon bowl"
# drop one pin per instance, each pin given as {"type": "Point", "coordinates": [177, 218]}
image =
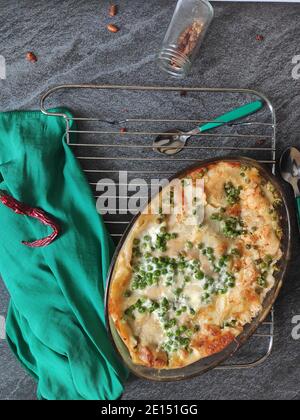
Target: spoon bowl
{"type": "Point", "coordinates": [290, 168]}
{"type": "Point", "coordinates": [169, 144]}
{"type": "Point", "coordinates": [290, 172]}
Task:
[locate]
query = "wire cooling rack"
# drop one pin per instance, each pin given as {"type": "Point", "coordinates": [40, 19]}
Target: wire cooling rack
{"type": "Point", "coordinates": [111, 131]}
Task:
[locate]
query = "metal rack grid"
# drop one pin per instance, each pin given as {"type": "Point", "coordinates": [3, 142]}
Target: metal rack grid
{"type": "Point", "coordinates": [105, 149]}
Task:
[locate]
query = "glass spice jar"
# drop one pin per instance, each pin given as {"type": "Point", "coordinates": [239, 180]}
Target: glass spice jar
{"type": "Point", "coordinates": [184, 36]}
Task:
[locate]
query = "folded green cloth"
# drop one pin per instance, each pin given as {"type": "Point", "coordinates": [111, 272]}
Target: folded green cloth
{"type": "Point", "coordinates": [55, 323]}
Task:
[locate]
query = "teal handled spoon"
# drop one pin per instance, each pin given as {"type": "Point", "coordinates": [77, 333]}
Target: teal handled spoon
{"type": "Point", "coordinates": [170, 144]}
{"type": "Point", "coordinates": [290, 172]}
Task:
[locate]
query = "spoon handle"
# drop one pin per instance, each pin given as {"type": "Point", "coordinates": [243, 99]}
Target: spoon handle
{"type": "Point", "coordinates": [234, 115]}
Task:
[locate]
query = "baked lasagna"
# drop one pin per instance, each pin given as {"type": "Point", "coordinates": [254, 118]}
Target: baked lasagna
{"type": "Point", "coordinates": [186, 283]}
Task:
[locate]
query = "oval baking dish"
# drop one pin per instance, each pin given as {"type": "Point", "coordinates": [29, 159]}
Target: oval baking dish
{"type": "Point", "coordinates": [228, 349]}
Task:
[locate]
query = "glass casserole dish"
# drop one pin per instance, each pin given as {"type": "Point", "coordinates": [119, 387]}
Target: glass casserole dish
{"type": "Point", "coordinates": [210, 362]}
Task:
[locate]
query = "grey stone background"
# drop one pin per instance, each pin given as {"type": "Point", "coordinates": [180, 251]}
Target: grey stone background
{"type": "Point", "coordinates": [73, 46]}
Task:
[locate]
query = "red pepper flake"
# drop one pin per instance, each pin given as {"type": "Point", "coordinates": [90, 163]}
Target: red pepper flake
{"type": "Point", "coordinates": [30, 56]}
{"type": "Point", "coordinates": [260, 38]}
{"type": "Point", "coordinates": [260, 142]}
{"type": "Point", "coordinates": [123, 130]}
{"type": "Point", "coordinates": [25, 210]}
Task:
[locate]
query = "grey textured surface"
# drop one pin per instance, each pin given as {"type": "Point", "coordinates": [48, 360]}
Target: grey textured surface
{"type": "Point", "coordinates": [73, 46]}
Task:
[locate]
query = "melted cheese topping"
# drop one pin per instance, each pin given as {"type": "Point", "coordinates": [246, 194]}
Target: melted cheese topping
{"type": "Point", "coordinates": [185, 285]}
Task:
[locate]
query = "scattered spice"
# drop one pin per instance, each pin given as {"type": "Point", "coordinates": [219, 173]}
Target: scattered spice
{"type": "Point", "coordinates": [123, 130]}
{"type": "Point", "coordinates": [260, 38]}
{"type": "Point", "coordinates": [187, 42]}
{"type": "Point", "coordinates": [25, 210]}
{"type": "Point", "coordinates": [113, 28]}
{"type": "Point", "coordinates": [260, 142]}
{"type": "Point", "coordinates": [30, 56]}
{"type": "Point", "coordinates": [183, 93]}
{"type": "Point", "coordinates": [113, 10]}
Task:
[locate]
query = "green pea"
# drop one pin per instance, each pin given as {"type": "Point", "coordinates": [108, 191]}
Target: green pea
{"type": "Point", "coordinates": [129, 311]}
{"type": "Point", "coordinates": [269, 260]}
{"type": "Point", "coordinates": [184, 341]}
{"type": "Point", "coordinates": [154, 307]}
{"type": "Point", "coordinates": [235, 252]}
{"type": "Point", "coordinates": [165, 303]}
{"type": "Point", "coordinates": [216, 217]}
{"type": "Point", "coordinates": [223, 260]}
{"type": "Point", "coordinates": [262, 281]}
{"type": "Point", "coordinates": [171, 323]}
{"type": "Point", "coordinates": [178, 291]}
{"type": "Point", "coordinates": [206, 296]}
{"type": "Point", "coordinates": [199, 275]}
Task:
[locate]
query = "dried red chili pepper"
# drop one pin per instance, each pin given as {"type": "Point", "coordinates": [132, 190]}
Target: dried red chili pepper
{"type": "Point", "coordinates": [36, 213]}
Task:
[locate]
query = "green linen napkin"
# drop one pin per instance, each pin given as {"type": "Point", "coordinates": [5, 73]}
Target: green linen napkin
{"type": "Point", "coordinates": [56, 322]}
